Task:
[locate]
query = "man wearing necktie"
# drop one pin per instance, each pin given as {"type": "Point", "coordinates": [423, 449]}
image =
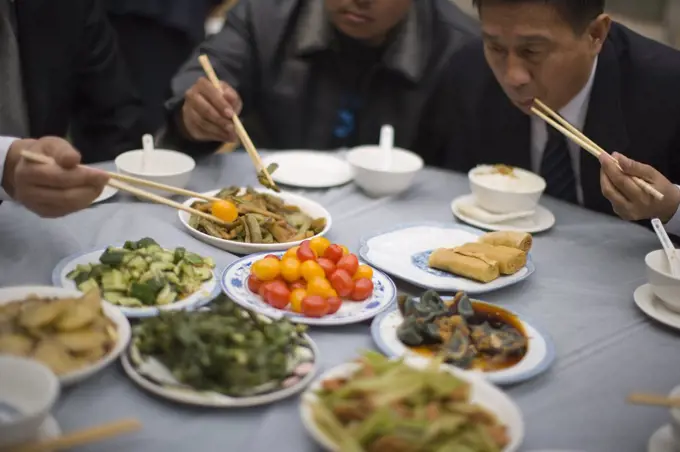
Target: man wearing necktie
{"type": "Point", "coordinates": [616, 86]}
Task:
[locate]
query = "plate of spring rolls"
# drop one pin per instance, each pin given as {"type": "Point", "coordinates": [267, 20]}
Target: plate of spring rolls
{"type": "Point", "coordinates": [451, 257]}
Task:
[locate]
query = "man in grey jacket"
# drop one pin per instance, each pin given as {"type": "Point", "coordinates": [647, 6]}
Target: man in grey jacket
{"type": "Point", "coordinates": [320, 74]}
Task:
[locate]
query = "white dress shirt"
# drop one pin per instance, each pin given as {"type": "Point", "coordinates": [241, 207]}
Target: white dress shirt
{"type": "Point", "coordinates": [5, 143]}
{"type": "Point", "coordinates": [575, 112]}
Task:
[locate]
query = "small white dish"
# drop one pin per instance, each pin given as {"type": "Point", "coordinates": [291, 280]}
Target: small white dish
{"type": "Point", "coordinates": [10, 294]}
{"type": "Point", "coordinates": [208, 291]}
{"type": "Point", "coordinates": [161, 165]}
{"type": "Point", "coordinates": [368, 163]}
{"type": "Point", "coordinates": [502, 193]}
{"type": "Point", "coordinates": [49, 429]}
{"type": "Point", "coordinates": [655, 308]}
{"type": "Point", "coordinates": [664, 285]}
{"type": "Point", "coordinates": [539, 356]}
{"type": "Point", "coordinates": [309, 169]}
{"type": "Point", "coordinates": [28, 391]}
{"type": "Point", "coordinates": [311, 208]}
{"type": "Point", "coordinates": [403, 252]}
{"type": "Point", "coordinates": [234, 283]}
{"type": "Point", "coordinates": [542, 219]}
{"type": "Point", "coordinates": [483, 393]}
{"type": "Point", "coordinates": [106, 194]}
{"type": "Point", "coordinates": [662, 440]}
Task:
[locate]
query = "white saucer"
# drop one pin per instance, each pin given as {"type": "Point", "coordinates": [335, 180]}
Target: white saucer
{"type": "Point", "coordinates": [49, 429]}
{"type": "Point", "coordinates": [661, 440]}
{"type": "Point", "coordinates": [655, 308]}
{"type": "Point", "coordinates": [309, 169]}
{"type": "Point", "coordinates": [107, 193]}
{"type": "Point", "coordinates": [542, 220]}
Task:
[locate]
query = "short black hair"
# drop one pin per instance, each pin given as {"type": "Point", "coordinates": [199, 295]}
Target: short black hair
{"type": "Point", "coordinates": [578, 13]}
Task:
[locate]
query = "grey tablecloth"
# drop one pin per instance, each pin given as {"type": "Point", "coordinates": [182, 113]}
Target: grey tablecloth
{"type": "Point", "coordinates": [587, 269]}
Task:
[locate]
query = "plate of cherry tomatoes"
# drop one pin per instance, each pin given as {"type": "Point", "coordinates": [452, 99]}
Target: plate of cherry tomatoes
{"type": "Point", "coordinates": [315, 283]}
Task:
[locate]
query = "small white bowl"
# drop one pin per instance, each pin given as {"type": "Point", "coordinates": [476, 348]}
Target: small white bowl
{"type": "Point", "coordinates": [493, 194]}
{"type": "Point", "coordinates": [665, 286]}
{"type": "Point", "coordinates": [374, 179]}
{"type": "Point", "coordinates": [162, 166]}
{"type": "Point", "coordinates": [675, 418]}
{"type": "Point", "coordinates": [28, 390]}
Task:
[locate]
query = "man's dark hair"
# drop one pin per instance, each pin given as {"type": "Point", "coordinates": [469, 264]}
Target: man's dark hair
{"type": "Point", "coordinates": [578, 13]}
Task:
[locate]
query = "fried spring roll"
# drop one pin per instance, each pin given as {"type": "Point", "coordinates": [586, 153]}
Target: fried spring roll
{"type": "Point", "coordinates": [510, 260]}
{"type": "Point", "coordinates": [520, 240]}
{"type": "Point", "coordinates": [467, 264]}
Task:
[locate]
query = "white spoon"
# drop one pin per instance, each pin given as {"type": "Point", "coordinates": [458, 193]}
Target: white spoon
{"type": "Point", "coordinates": [668, 247]}
{"type": "Point", "coordinates": [147, 145]}
{"type": "Point", "coordinates": [386, 145]}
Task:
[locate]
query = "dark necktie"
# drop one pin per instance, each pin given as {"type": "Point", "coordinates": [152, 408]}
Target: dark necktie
{"type": "Point", "coordinates": [556, 168]}
{"type": "Point", "coordinates": [13, 119]}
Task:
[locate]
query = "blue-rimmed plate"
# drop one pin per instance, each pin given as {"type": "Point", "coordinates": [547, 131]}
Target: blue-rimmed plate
{"type": "Point", "coordinates": [539, 357]}
{"type": "Point", "coordinates": [208, 291]}
{"type": "Point", "coordinates": [234, 283]}
{"type": "Point", "coordinates": [403, 252]}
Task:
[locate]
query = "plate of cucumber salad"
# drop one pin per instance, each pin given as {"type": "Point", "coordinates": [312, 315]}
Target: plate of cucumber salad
{"type": "Point", "coordinates": [142, 277]}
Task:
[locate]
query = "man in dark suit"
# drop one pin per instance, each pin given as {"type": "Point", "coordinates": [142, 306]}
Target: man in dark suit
{"type": "Point", "coordinates": [619, 88]}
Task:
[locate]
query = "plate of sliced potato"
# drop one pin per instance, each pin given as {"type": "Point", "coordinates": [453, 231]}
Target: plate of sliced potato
{"type": "Point", "coordinates": [74, 334]}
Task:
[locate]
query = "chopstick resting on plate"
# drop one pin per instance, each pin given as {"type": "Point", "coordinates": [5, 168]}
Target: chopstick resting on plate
{"type": "Point", "coordinates": [637, 398]}
{"type": "Point", "coordinates": [120, 182]}
{"type": "Point", "coordinates": [568, 130]}
{"type": "Point", "coordinates": [238, 125]}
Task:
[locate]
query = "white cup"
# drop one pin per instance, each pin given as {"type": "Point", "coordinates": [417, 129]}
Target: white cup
{"type": "Point", "coordinates": [664, 285]}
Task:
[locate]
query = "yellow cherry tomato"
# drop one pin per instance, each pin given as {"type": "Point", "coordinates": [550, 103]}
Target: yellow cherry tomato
{"type": "Point", "coordinates": [296, 297]}
{"type": "Point", "coordinates": [290, 269]}
{"type": "Point", "coordinates": [364, 271]}
{"type": "Point", "coordinates": [292, 253]}
{"type": "Point", "coordinates": [225, 210]}
{"type": "Point", "coordinates": [311, 270]}
{"type": "Point", "coordinates": [319, 245]}
{"type": "Point", "coordinates": [266, 269]}
{"type": "Point", "coordinates": [331, 293]}
{"type": "Point", "coordinates": [319, 286]}
{"type": "Point", "coordinates": [345, 250]}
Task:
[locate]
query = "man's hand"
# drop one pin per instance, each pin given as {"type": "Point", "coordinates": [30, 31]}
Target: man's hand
{"type": "Point", "coordinates": [629, 201]}
{"type": "Point", "coordinates": [207, 113]}
{"type": "Point", "coordinates": [51, 190]}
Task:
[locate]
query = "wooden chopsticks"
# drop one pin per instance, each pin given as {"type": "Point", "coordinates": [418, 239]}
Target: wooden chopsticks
{"type": "Point", "coordinates": [568, 130]}
{"type": "Point", "coordinates": [120, 182]}
{"type": "Point", "coordinates": [238, 125]}
{"type": "Point", "coordinates": [80, 438]}
{"type": "Point", "coordinates": [654, 400]}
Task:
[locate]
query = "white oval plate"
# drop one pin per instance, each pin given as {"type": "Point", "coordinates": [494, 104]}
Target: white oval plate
{"type": "Point", "coordinates": [214, 399]}
{"type": "Point", "coordinates": [311, 208]}
{"type": "Point", "coordinates": [483, 393]}
{"type": "Point", "coordinates": [234, 283]}
{"type": "Point", "coordinates": [655, 308]}
{"type": "Point", "coordinates": [403, 251]}
{"type": "Point", "coordinates": [539, 357]}
{"type": "Point", "coordinates": [542, 220]}
{"type": "Point", "coordinates": [309, 169]}
{"type": "Point", "coordinates": [9, 294]}
{"type": "Point", "coordinates": [107, 193]}
{"type": "Point", "coordinates": [208, 291]}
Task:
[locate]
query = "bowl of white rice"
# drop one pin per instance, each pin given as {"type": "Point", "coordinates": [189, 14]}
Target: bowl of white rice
{"type": "Point", "coordinates": [505, 189]}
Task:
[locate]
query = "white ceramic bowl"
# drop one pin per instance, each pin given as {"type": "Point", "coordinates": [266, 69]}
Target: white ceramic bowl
{"type": "Point", "coordinates": [9, 294]}
{"type": "Point", "coordinates": [311, 208]}
{"type": "Point", "coordinates": [162, 166]}
{"type": "Point", "coordinates": [665, 286]}
{"type": "Point", "coordinates": [377, 181]}
{"type": "Point", "coordinates": [28, 390]}
{"type": "Point", "coordinates": [483, 393]}
{"type": "Point", "coordinates": [675, 418]}
{"type": "Point", "coordinates": [498, 195]}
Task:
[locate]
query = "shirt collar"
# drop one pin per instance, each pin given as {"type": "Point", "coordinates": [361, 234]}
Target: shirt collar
{"type": "Point", "coordinates": [576, 110]}
{"type": "Point", "coordinates": [406, 53]}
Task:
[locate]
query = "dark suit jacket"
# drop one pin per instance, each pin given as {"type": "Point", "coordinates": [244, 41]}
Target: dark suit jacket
{"type": "Point", "coordinates": [74, 77]}
{"type": "Point", "coordinates": [634, 109]}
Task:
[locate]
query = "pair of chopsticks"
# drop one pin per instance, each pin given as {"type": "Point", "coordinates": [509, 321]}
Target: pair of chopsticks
{"type": "Point", "coordinates": [568, 130]}
{"type": "Point", "coordinates": [637, 398]}
{"type": "Point", "coordinates": [238, 125]}
{"type": "Point", "coordinates": [121, 182]}
{"type": "Point", "coordinates": [79, 438]}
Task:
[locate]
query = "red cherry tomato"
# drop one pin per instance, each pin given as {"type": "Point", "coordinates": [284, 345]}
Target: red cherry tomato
{"type": "Point", "coordinates": [333, 253]}
{"type": "Point", "coordinates": [363, 288]}
{"type": "Point", "coordinates": [305, 253]}
{"type": "Point", "coordinates": [315, 306]}
{"type": "Point", "coordinates": [272, 256]}
{"type": "Point", "coordinates": [342, 283]}
{"type": "Point", "coordinates": [278, 295]}
{"type": "Point", "coordinates": [299, 284]}
{"type": "Point", "coordinates": [349, 263]}
{"type": "Point", "coordinates": [262, 292]}
{"type": "Point", "coordinates": [327, 265]}
{"type": "Point", "coordinates": [334, 304]}
{"type": "Point", "coordinates": [254, 284]}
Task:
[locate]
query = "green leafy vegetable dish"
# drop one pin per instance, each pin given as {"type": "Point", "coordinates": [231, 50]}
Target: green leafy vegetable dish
{"type": "Point", "coordinates": [389, 406]}
{"type": "Point", "coordinates": [221, 349]}
{"type": "Point", "coordinates": [142, 274]}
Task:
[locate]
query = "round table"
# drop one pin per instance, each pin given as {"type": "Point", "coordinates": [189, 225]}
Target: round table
{"type": "Point", "coordinates": [587, 269]}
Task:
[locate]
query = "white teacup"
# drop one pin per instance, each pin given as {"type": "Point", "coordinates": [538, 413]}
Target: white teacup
{"type": "Point", "coordinates": [665, 286]}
